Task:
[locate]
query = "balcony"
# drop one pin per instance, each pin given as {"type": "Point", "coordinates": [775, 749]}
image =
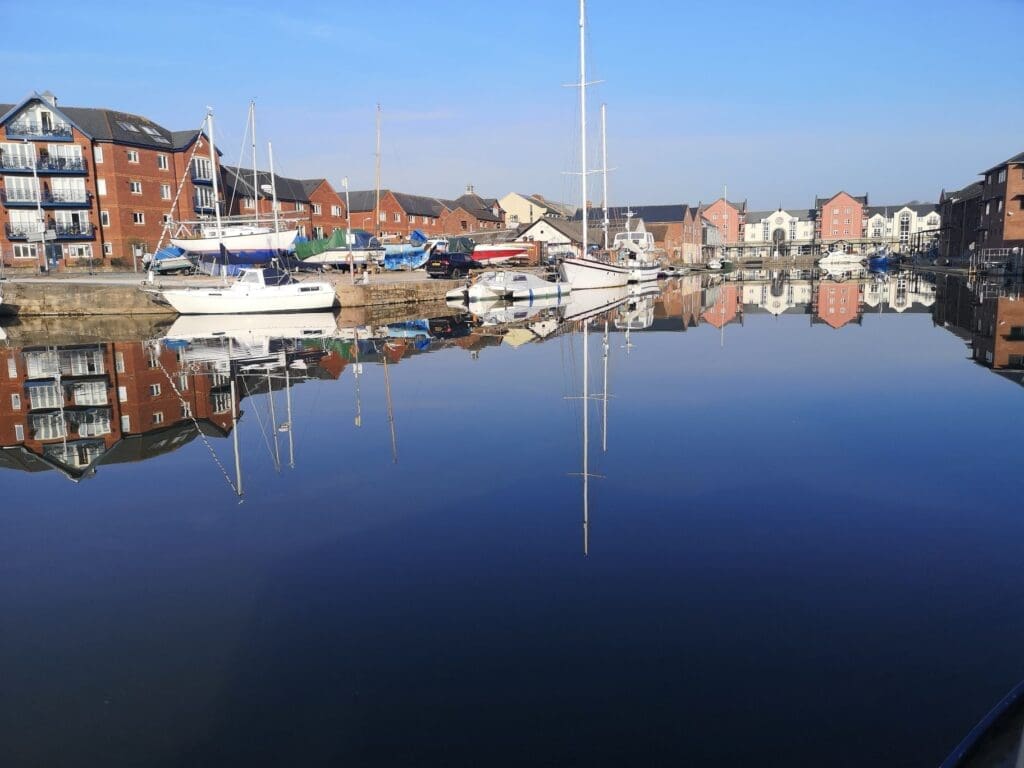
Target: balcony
{"type": "Point", "coordinates": [69, 166]}
{"type": "Point", "coordinates": [54, 199]}
{"type": "Point", "coordinates": [22, 232]}
{"type": "Point", "coordinates": [28, 129]}
{"type": "Point", "coordinates": [201, 176]}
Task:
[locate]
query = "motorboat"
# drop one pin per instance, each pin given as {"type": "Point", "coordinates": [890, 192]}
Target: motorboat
{"type": "Point", "coordinates": [838, 258]}
{"type": "Point", "coordinates": [591, 272]}
{"type": "Point", "coordinates": [510, 286]}
{"type": "Point", "coordinates": [635, 247]}
{"type": "Point", "coordinates": [256, 290]}
{"type": "Point", "coordinates": [498, 253]}
{"type": "Point", "coordinates": [166, 260]}
{"type": "Point", "coordinates": [585, 305]}
{"type": "Point", "coordinates": [715, 264]}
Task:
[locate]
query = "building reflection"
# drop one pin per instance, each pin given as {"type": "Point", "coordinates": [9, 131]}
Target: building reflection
{"type": "Point", "coordinates": [988, 314]}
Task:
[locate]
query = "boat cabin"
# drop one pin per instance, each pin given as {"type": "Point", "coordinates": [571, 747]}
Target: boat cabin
{"type": "Point", "coordinates": [267, 276]}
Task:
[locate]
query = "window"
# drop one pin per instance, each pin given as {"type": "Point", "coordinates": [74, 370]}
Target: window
{"type": "Point", "coordinates": [130, 127]}
{"type": "Point", "coordinates": [97, 155]}
{"type": "Point", "coordinates": [138, 217]}
{"type": "Point", "coordinates": [126, 423]}
{"type": "Point", "coordinates": [119, 361]}
{"type": "Point", "coordinates": [161, 162]}
{"type": "Point", "coordinates": [158, 417]}
{"type": "Point", "coordinates": [1017, 332]}
{"type": "Point", "coordinates": [122, 394]}
{"type": "Point", "coordinates": [133, 156]}
{"type": "Point", "coordinates": [23, 251]}
{"type": "Point", "coordinates": [248, 203]}
{"type": "Point", "coordinates": [15, 401]}
{"type": "Point", "coordinates": [335, 210]}
{"type": "Point", "coordinates": [104, 218]}
{"type": "Point", "coordinates": [999, 205]}
{"type": "Point", "coordinates": [135, 187]}
{"type": "Point", "coordinates": [108, 249]}
{"type": "Point", "coordinates": [165, 191]}
{"type": "Point", "coordinates": [12, 368]}
{"type": "Point", "coordinates": [318, 233]}
{"type": "Point", "coordinates": [412, 219]}
{"type": "Point", "coordinates": [166, 218]}
{"type": "Point", "coordinates": [154, 390]}
{"type": "Point", "coordinates": [904, 227]}
{"type": "Point", "coordinates": [101, 186]}
{"type": "Point", "coordinates": [186, 411]}
{"type": "Point", "coordinates": [19, 432]}
{"type": "Point", "coordinates": [202, 170]}
{"type": "Point", "coordinates": [79, 251]}
{"type": "Point", "coordinates": [383, 217]}
{"type": "Point", "coordinates": [300, 206]}
{"type": "Point", "coordinates": [398, 217]}
{"type": "Point", "coordinates": [183, 382]}
{"type": "Point", "coordinates": [1002, 176]}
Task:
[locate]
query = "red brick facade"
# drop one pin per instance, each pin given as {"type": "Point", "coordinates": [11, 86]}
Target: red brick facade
{"type": "Point", "coordinates": [841, 217]}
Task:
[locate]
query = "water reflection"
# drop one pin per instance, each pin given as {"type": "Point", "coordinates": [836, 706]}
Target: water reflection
{"type": "Point", "coordinates": [73, 405]}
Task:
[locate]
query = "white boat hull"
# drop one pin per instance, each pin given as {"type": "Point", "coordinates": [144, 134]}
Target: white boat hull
{"type": "Point", "coordinates": [587, 274]}
{"type": "Point", "coordinates": [268, 241]}
{"type": "Point", "coordinates": [287, 326]}
{"type": "Point", "coordinates": [342, 258]}
{"type": "Point", "coordinates": [297, 297]}
{"type": "Point", "coordinates": [644, 274]}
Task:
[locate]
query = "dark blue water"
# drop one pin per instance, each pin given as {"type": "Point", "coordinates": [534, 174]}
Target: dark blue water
{"type": "Point", "coordinates": [804, 550]}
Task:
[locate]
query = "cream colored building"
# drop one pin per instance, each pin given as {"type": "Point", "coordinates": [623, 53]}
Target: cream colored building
{"type": "Point", "coordinates": [903, 227]}
{"type": "Point", "coordinates": [777, 234]}
{"type": "Point", "coordinates": [526, 209]}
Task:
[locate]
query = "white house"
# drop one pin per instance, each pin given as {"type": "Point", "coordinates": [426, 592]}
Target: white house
{"type": "Point", "coordinates": [561, 238]}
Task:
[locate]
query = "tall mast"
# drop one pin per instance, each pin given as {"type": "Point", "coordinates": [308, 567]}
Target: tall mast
{"type": "Point", "coordinates": [213, 171]}
{"type": "Point", "coordinates": [604, 420]}
{"type": "Point", "coordinates": [376, 205]}
{"type": "Point", "coordinates": [273, 184]}
{"type": "Point", "coordinates": [255, 182]}
{"type": "Point", "coordinates": [583, 118]}
{"type": "Point", "coordinates": [604, 171]}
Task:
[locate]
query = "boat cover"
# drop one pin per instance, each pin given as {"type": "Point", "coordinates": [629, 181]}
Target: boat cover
{"type": "Point", "coordinates": [360, 239]}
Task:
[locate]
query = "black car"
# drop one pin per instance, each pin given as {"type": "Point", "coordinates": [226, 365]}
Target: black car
{"type": "Point", "coordinates": [451, 265]}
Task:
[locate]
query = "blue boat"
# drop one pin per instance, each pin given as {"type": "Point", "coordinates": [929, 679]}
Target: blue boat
{"type": "Point", "coordinates": [879, 262]}
{"type": "Point", "coordinates": [411, 255]}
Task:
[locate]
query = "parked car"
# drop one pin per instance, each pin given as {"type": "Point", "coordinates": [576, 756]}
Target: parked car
{"type": "Point", "coordinates": [451, 265]}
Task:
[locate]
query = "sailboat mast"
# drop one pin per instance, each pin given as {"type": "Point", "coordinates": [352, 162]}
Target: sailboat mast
{"type": "Point", "coordinates": [604, 172]}
{"type": "Point", "coordinates": [273, 184]}
{"type": "Point", "coordinates": [604, 424]}
{"type": "Point", "coordinates": [583, 119]}
{"type": "Point", "coordinates": [255, 182]}
{"type": "Point", "coordinates": [273, 422]}
{"type": "Point", "coordinates": [391, 412]}
{"type": "Point", "coordinates": [234, 432]}
{"type": "Point", "coordinates": [376, 205]}
{"type": "Point", "coordinates": [288, 397]}
{"type": "Point", "coordinates": [213, 172]}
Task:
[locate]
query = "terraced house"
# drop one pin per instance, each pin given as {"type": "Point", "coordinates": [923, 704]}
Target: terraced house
{"type": "Point", "coordinates": [84, 185]}
{"type": "Point", "coordinates": [310, 204]}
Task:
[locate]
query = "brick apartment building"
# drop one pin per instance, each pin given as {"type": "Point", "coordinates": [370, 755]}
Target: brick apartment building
{"type": "Point", "coordinates": [837, 304]}
{"type": "Point", "coordinates": [840, 217]}
{"type": "Point", "coordinates": [401, 213]}
{"type": "Point", "coordinates": [100, 183]}
{"type": "Point", "coordinates": [985, 218]}
{"type": "Point", "coordinates": [727, 217]}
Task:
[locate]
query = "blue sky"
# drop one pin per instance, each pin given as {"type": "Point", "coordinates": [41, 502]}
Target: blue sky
{"type": "Point", "coordinates": [781, 101]}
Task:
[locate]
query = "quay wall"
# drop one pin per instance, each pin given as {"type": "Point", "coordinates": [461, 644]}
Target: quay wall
{"type": "Point", "coordinates": [66, 299]}
{"type": "Point", "coordinates": [383, 294]}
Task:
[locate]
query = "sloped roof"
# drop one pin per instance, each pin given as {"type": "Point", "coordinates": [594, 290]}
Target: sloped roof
{"type": "Point", "coordinates": [921, 209]}
{"type": "Point", "coordinates": [103, 124]}
{"type": "Point", "coordinates": [476, 205]}
{"type": "Point", "coordinates": [413, 205]}
{"type": "Point", "coordinates": [651, 214]}
{"type": "Point", "coordinates": [820, 201]}
{"type": "Point", "coordinates": [969, 192]}
{"type": "Point", "coordinates": [562, 209]}
{"type": "Point", "coordinates": [239, 181]}
{"type": "Point", "coordinates": [571, 229]}
{"type": "Point", "coordinates": [1018, 158]}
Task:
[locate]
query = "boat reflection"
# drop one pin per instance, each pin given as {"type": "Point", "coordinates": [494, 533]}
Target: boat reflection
{"type": "Point", "coordinates": [77, 396]}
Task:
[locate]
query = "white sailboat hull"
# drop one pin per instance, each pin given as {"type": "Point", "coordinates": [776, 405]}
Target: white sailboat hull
{"type": "Point", "coordinates": [268, 241]}
{"type": "Point", "coordinates": [644, 274]}
{"type": "Point", "coordinates": [297, 297]}
{"type": "Point", "coordinates": [587, 274]}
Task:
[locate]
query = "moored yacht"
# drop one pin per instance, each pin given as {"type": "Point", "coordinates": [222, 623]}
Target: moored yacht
{"type": "Point", "coordinates": [509, 286]}
{"type": "Point", "coordinates": [255, 290]}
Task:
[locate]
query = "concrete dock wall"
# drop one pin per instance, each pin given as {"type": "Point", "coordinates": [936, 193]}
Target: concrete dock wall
{"type": "Point", "coordinates": [69, 299]}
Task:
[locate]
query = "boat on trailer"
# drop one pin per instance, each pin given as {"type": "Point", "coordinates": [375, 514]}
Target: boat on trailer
{"type": "Point", "coordinates": [257, 290]}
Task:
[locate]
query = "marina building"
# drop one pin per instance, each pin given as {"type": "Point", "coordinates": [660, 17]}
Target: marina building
{"type": "Point", "coordinates": [522, 210]}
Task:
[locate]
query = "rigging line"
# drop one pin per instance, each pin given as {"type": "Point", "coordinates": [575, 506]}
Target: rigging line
{"type": "Point", "coordinates": [187, 407]}
{"type": "Point", "coordinates": [259, 417]}
{"type": "Point", "coordinates": [238, 171]}
{"type": "Point", "coordinates": [181, 186]}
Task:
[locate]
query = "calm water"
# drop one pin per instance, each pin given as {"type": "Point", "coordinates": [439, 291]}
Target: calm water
{"type": "Point", "coordinates": [804, 546]}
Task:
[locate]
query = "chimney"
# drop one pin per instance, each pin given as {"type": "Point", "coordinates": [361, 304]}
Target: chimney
{"type": "Point", "coordinates": [469, 189]}
{"type": "Point", "coordinates": [49, 98]}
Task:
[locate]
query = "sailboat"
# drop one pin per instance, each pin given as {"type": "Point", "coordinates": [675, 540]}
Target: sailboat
{"type": "Point", "coordinates": [587, 271]}
{"type": "Point", "coordinates": [245, 239]}
{"type": "Point", "coordinates": [636, 245]}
